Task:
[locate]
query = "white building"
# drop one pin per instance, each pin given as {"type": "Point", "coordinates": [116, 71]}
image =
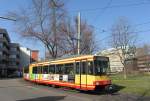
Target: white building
{"type": "Point", "coordinates": [25, 56]}
{"type": "Point", "coordinates": [115, 63]}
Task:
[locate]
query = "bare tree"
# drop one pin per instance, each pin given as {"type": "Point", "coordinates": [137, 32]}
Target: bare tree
{"type": "Point", "coordinates": [41, 21]}
{"type": "Point", "coordinates": [46, 21]}
{"type": "Point", "coordinates": [88, 45]}
{"type": "Point", "coordinates": [69, 38]}
{"type": "Point", "coordinates": [123, 40]}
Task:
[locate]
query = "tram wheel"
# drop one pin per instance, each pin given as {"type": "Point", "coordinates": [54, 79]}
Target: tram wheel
{"type": "Point", "coordinates": [55, 86]}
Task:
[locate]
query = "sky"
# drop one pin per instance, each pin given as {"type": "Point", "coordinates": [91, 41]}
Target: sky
{"type": "Point", "coordinates": [101, 14]}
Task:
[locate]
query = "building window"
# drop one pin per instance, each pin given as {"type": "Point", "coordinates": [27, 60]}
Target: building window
{"type": "Point", "coordinates": [1, 53]}
{"type": "Point", "coordinates": [12, 63]}
{"type": "Point", "coordinates": [12, 56]}
{"type": "Point", "coordinates": [1, 35]}
{"type": "Point", "coordinates": [13, 49]}
{"type": "Point", "coordinates": [1, 45]}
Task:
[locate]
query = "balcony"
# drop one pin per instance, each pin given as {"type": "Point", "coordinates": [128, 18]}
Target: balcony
{"type": "Point", "coordinates": [5, 50]}
{"type": "Point", "coordinates": [4, 57]}
{"type": "Point", "coordinates": [14, 52]}
{"type": "Point", "coordinates": [4, 34]}
{"type": "Point", "coordinates": [1, 56]}
{"type": "Point", "coordinates": [15, 60]}
{"type": "Point", "coordinates": [13, 66]}
{"type": "Point", "coordinates": [4, 40]}
{"type": "Point", "coordinates": [2, 66]}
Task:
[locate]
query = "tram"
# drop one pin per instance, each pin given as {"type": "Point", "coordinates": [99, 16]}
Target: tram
{"type": "Point", "coordinates": [85, 72]}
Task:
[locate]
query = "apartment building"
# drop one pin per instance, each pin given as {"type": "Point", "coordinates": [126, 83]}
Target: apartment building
{"type": "Point", "coordinates": [4, 52]}
{"type": "Point", "coordinates": [14, 58]}
{"type": "Point", "coordinates": [28, 56]}
{"type": "Point", "coordinates": [143, 63]}
{"type": "Point", "coordinates": [25, 54]}
{"type": "Point", "coordinates": [34, 55]}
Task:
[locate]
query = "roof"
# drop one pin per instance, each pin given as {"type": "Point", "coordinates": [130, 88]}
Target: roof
{"type": "Point", "coordinates": [4, 31]}
{"type": "Point", "coordinates": [69, 59]}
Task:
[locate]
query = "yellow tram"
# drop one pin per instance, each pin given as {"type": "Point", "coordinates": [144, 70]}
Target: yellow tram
{"type": "Point", "coordinates": [85, 72]}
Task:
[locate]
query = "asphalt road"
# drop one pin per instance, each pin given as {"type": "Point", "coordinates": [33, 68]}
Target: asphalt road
{"type": "Point", "coordinates": [20, 90]}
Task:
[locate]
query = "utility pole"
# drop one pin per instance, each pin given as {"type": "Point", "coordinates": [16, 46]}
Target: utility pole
{"type": "Point", "coordinates": [79, 32]}
{"type": "Point", "coordinates": [54, 7]}
{"type": "Point", "coordinates": [45, 52]}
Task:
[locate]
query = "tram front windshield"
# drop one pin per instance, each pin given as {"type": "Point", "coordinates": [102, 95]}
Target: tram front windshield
{"type": "Point", "coordinates": [101, 67]}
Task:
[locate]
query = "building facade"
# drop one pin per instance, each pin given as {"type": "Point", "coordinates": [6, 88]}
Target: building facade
{"type": "Point", "coordinates": [34, 55]}
{"type": "Point", "coordinates": [139, 63]}
{"type": "Point", "coordinates": [28, 56]}
{"type": "Point", "coordinates": [114, 59]}
{"type": "Point", "coordinates": [4, 52]}
{"type": "Point", "coordinates": [143, 63]}
{"type": "Point", "coordinates": [14, 58]}
{"type": "Point", "coordinates": [25, 54]}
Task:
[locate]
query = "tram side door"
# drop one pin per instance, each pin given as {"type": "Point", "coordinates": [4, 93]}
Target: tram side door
{"type": "Point", "coordinates": [81, 74]}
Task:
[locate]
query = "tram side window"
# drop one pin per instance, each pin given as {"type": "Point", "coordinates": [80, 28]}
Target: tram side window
{"type": "Point", "coordinates": [26, 70]}
{"type": "Point", "coordinates": [69, 69]}
{"type": "Point", "coordinates": [39, 70]}
{"type": "Point", "coordinates": [59, 69]}
{"type": "Point", "coordinates": [90, 68]}
{"type": "Point", "coordinates": [77, 68]}
{"type": "Point", "coordinates": [34, 70]}
{"type": "Point", "coordinates": [52, 69]}
{"type": "Point", "coordinates": [45, 70]}
{"type": "Point", "coordinates": [105, 67]}
{"type": "Point", "coordinates": [83, 70]}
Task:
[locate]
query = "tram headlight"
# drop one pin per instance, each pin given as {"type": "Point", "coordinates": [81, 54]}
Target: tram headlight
{"type": "Point", "coordinates": [97, 83]}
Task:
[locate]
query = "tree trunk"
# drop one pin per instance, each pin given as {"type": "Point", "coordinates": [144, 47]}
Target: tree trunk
{"type": "Point", "coordinates": [125, 73]}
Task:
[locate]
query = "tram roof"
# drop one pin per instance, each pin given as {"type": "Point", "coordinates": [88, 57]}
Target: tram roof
{"type": "Point", "coordinates": [67, 59]}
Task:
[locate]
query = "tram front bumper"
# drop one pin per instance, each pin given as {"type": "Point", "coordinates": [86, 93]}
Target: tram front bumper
{"type": "Point", "coordinates": [102, 83]}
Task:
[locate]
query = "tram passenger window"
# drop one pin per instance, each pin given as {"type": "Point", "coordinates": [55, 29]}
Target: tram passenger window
{"type": "Point", "coordinates": [39, 70]}
{"type": "Point", "coordinates": [84, 69]}
{"type": "Point", "coordinates": [69, 69]}
{"type": "Point", "coordinates": [77, 68]}
{"type": "Point", "coordinates": [45, 70]}
{"type": "Point", "coordinates": [52, 69]}
{"type": "Point", "coordinates": [90, 67]}
{"type": "Point", "coordinates": [26, 70]}
{"type": "Point", "coordinates": [34, 70]}
{"type": "Point", "coordinates": [59, 69]}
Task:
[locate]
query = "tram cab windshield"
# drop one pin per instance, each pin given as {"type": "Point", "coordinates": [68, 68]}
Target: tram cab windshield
{"type": "Point", "coordinates": [101, 67]}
